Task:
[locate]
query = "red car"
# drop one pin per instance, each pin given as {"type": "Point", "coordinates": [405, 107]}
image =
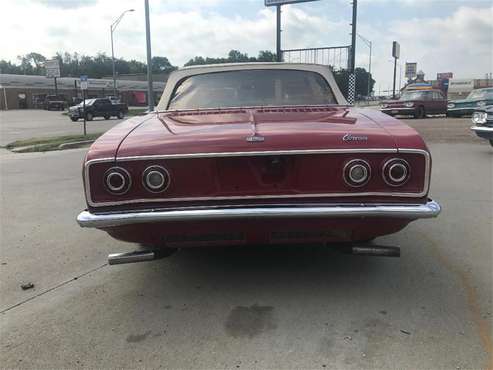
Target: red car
{"type": "Point", "coordinates": [264, 153]}
{"type": "Point", "coordinates": [417, 103]}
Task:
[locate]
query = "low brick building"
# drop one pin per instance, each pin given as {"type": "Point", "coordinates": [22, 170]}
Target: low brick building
{"type": "Point", "coordinates": [29, 92]}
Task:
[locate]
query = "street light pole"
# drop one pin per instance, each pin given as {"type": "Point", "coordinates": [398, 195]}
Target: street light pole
{"type": "Point", "coordinates": [112, 29]}
{"type": "Point", "coordinates": [278, 33]}
{"type": "Point", "coordinates": [369, 44]}
{"type": "Point", "coordinates": [150, 90]}
{"type": "Point", "coordinates": [352, 57]}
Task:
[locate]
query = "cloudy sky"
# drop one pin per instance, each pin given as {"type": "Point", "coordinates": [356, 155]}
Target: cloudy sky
{"type": "Point", "coordinates": [440, 35]}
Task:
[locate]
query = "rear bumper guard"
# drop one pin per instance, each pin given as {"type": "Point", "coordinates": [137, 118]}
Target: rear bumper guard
{"type": "Point", "coordinates": [410, 211]}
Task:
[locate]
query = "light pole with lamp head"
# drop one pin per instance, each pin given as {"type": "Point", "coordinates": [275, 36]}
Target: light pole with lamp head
{"type": "Point", "coordinates": [112, 29]}
{"type": "Point", "coordinates": [369, 44]}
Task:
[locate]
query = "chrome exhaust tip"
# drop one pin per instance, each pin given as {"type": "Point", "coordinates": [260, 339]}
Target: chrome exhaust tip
{"type": "Point", "coordinates": [376, 250]}
{"type": "Point", "coordinates": [131, 257]}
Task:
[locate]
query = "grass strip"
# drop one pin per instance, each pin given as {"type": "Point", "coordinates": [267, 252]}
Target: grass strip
{"type": "Point", "coordinates": [48, 143]}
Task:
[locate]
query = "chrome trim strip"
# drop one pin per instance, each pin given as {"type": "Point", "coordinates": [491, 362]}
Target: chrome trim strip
{"type": "Point", "coordinates": [260, 153]}
{"type": "Point", "coordinates": [482, 129]}
{"type": "Point", "coordinates": [463, 108]}
{"type": "Point", "coordinates": [397, 108]}
{"type": "Point", "coordinates": [409, 211]}
{"type": "Point", "coordinates": [256, 153]}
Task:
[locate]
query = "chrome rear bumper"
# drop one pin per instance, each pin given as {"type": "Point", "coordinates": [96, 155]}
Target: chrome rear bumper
{"type": "Point", "coordinates": [485, 129]}
{"type": "Point", "coordinates": [410, 211]}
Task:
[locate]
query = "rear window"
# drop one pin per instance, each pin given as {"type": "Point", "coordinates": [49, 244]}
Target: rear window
{"type": "Point", "coordinates": [252, 88]}
{"type": "Point", "coordinates": [414, 95]}
{"type": "Point", "coordinates": [481, 94]}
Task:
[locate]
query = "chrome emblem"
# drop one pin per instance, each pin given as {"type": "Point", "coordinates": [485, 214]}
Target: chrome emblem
{"type": "Point", "coordinates": [255, 139]}
{"type": "Point", "coordinates": [350, 137]}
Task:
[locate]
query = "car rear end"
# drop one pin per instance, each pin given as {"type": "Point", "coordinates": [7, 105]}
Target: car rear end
{"type": "Point", "coordinates": [483, 123]}
{"type": "Point", "coordinates": [345, 192]}
{"type": "Point", "coordinates": [401, 108]}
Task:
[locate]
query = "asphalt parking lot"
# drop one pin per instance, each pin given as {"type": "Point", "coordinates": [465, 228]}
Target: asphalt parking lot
{"type": "Point", "coordinates": [256, 308]}
{"type": "Point", "coordinates": [27, 124]}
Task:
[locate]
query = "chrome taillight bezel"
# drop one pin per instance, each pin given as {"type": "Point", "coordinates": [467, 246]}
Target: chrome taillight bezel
{"type": "Point", "coordinates": [387, 168]}
{"type": "Point", "coordinates": [163, 172]}
{"type": "Point", "coordinates": [351, 165]}
{"type": "Point", "coordinates": [122, 174]}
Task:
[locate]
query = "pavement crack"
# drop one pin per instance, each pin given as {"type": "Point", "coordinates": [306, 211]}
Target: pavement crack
{"type": "Point", "coordinates": [472, 300]}
{"type": "Point", "coordinates": [52, 288]}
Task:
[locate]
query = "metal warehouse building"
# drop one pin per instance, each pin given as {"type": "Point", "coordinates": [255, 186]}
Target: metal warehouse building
{"type": "Point", "coordinates": [29, 92]}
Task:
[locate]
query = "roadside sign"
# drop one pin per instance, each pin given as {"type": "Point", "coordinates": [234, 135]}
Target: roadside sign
{"type": "Point", "coordinates": [445, 75]}
{"type": "Point", "coordinates": [396, 50]}
{"type": "Point", "coordinates": [411, 69]}
{"type": "Point", "coordinates": [52, 68]}
{"type": "Point", "coordinates": [283, 2]}
{"type": "Point", "coordinates": [83, 82]}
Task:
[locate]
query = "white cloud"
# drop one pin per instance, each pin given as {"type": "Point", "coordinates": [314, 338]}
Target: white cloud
{"type": "Point", "coordinates": [461, 42]}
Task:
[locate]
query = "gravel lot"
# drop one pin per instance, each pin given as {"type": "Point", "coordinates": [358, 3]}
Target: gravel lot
{"type": "Point", "coordinates": [255, 308]}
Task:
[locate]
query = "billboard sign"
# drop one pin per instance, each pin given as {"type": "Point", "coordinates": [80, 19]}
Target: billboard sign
{"type": "Point", "coordinates": [396, 50]}
{"type": "Point", "coordinates": [52, 68]}
{"type": "Point", "coordinates": [284, 2]}
{"type": "Point", "coordinates": [460, 85]}
{"type": "Point", "coordinates": [445, 76]}
{"type": "Point", "coordinates": [411, 70]}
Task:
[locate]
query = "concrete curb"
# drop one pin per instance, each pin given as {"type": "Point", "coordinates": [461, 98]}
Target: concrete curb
{"type": "Point", "coordinates": [75, 144]}
{"type": "Point", "coordinates": [69, 145]}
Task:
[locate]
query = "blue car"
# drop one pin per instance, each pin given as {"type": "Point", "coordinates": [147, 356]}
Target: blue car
{"type": "Point", "coordinates": [477, 99]}
{"type": "Point", "coordinates": [483, 123]}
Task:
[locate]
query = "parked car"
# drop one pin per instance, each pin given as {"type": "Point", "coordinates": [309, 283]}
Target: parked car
{"type": "Point", "coordinates": [483, 123]}
{"type": "Point", "coordinates": [114, 99]}
{"type": "Point", "coordinates": [417, 103]}
{"type": "Point", "coordinates": [54, 102]}
{"type": "Point", "coordinates": [255, 153]}
{"type": "Point", "coordinates": [98, 107]}
{"type": "Point", "coordinates": [476, 99]}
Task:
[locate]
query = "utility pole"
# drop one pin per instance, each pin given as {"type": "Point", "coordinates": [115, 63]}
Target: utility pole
{"type": "Point", "coordinates": [395, 70]}
{"type": "Point", "coordinates": [150, 90]}
{"type": "Point", "coordinates": [369, 44]}
{"type": "Point", "coordinates": [278, 33]}
{"type": "Point", "coordinates": [352, 57]}
{"type": "Point", "coordinates": [112, 29]}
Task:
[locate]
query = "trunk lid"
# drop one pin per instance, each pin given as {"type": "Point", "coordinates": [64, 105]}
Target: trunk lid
{"type": "Point", "coordinates": [255, 129]}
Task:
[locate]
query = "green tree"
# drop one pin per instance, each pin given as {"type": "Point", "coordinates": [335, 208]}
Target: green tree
{"type": "Point", "coordinates": [161, 64]}
{"type": "Point", "coordinates": [266, 56]}
{"type": "Point", "coordinates": [342, 78]}
{"type": "Point", "coordinates": [75, 65]}
{"type": "Point", "coordinates": [234, 56]}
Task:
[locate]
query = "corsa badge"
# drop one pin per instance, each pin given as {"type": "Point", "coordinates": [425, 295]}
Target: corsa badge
{"type": "Point", "coordinates": [350, 137]}
{"type": "Point", "coordinates": [255, 139]}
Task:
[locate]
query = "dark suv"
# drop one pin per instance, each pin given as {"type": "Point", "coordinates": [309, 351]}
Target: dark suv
{"type": "Point", "coordinates": [417, 103]}
{"type": "Point", "coordinates": [99, 107]}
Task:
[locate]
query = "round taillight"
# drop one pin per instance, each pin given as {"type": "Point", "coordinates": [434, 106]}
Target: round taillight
{"type": "Point", "coordinates": [156, 179]}
{"type": "Point", "coordinates": [357, 173]}
{"type": "Point", "coordinates": [117, 180]}
{"type": "Point", "coordinates": [396, 172]}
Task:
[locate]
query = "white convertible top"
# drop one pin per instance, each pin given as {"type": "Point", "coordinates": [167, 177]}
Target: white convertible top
{"type": "Point", "coordinates": [185, 72]}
